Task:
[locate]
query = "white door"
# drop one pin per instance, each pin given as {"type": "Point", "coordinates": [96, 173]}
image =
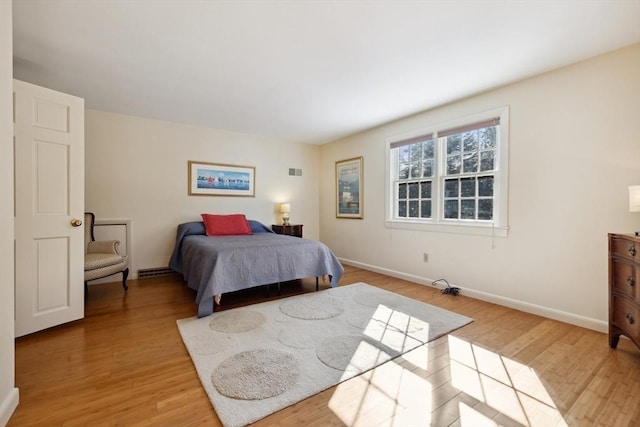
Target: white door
{"type": "Point", "coordinates": [49, 197]}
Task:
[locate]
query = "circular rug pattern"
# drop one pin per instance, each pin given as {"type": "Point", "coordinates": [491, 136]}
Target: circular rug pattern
{"type": "Point", "coordinates": [312, 308]}
{"type": "Point", "coordinates": [256, 374]}
{"type": "Point", "coordinates": [357, 353]}
{"type": "Point", "coordinates": [236, 321]}
{"type": "Point", "coordinates": [359, 318]}
{"type": "Point", "coordinates": [301, 336]}
{"type": "Point", "coordinates": [374, 299]}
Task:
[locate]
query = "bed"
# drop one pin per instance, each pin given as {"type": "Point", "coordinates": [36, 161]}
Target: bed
{"type": "Point", "coordinates": [214, 265]}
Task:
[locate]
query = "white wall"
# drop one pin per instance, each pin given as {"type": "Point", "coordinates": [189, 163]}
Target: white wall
{"type": "Point", "coordinates": [574, 149]}
{"type": "Point", "coordinates": [8, 391]}
{"type": "Point", "coordinates": [136, 168]}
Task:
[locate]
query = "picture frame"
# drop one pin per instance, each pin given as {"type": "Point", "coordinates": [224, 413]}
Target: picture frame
{"type": "Point", "coordinates": [350, 188]}
{"type": "Point", "coordinates": [219, 179]}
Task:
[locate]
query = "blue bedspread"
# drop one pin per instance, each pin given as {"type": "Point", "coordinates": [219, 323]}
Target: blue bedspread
{"type": "Point", "coordinates": [216, 265]}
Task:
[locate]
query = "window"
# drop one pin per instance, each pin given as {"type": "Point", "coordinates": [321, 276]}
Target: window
{"type": "Point", "coordinates": [416, 166]}
{"type": "Point", "coordinates": [454, 175]}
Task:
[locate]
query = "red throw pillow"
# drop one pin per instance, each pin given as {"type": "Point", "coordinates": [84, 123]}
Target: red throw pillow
{"type": "Point", "coordinates": [226, 225]}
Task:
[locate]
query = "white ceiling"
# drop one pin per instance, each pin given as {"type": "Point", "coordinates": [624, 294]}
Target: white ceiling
{"type": "Point", "coordinates": [305, 71]}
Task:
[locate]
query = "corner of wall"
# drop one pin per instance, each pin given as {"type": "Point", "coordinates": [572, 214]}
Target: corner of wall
{"type": "Point", "coordinates": [8, 391]}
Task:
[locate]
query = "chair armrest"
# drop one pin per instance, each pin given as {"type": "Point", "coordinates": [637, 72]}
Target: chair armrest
{"type": "Point", "coordinates": [103, 247]}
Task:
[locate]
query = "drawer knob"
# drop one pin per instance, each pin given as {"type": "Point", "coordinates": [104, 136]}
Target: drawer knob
{"type": "Point", "coordinates": [630, 281]}
{"type": "Point", "coordinates": [632, 250]}
{"type": "Point", "coordinates": [629, 318]}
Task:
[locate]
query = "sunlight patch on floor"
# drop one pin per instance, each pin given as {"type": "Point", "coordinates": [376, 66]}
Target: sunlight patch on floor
{"type": "Point", "coordinates": [492, 388]}
{"type": "Point", "coordinates": [469, 417]}
{"type": "Point", "coordinates": [389, 392]}
{"type": "Point", "coordinates": [395, 329]}
{"type": "Point", "coordinates": [510, 387]}
{"type": "Point", "coordinates": [418, 357]}
{"type": "Point", "coordinates": [364, 356]}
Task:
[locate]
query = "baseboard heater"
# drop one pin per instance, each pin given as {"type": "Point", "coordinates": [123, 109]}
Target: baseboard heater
{"type": "Point", "coordinates": [154, 272]}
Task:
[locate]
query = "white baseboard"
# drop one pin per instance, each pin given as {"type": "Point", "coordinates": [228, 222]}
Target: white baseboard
{"type": "Point", "coordinates": [551, 313]}
{"type": "Point", "coordinates": [8, 406]}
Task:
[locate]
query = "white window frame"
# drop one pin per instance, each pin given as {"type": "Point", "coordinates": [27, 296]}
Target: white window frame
{"type": "Point", "coordinates": [498, 226]}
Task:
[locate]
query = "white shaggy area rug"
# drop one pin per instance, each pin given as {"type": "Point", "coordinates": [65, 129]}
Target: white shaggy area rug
{"type": "Point", "coordinates": [256, 360]}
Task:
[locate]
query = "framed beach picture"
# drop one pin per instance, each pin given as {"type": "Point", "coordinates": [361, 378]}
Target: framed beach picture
{"type": "Point", "coordinates": [215, 179]}
{"type": "Point", "coordinates": [349, 188]}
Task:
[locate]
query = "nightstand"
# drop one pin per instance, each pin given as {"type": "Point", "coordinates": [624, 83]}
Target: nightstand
{"type": "Point", "coordinates": [290, 230]}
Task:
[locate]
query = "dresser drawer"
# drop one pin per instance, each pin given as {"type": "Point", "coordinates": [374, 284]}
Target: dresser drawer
{"type": "Point", "coordinates": [625, 248]}
{"type": "Point", "coordinates": [625, 278]}
{"type": "Point", "coordinates": [626, 315]}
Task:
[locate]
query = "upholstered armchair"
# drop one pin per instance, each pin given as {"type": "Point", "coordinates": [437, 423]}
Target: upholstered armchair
{"type": "Point", "coordinates": [101, 258]}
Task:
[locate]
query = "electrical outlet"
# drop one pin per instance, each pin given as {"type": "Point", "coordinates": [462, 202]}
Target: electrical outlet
{"type": "Point", "coordinates": [425, 257]}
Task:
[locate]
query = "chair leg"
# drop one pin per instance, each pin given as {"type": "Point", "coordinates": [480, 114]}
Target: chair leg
{"type": "Point", "coordinates": [125, 274]}
{"type": "Point", "coordinates": [86, 288]}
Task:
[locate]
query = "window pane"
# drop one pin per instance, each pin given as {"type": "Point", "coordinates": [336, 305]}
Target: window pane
{"type": "Point", "coordinates": [413, 190]}
{"type": "Point", "coordinates": [486, 160]}
{"type": "Point", "coordinates": [453, 143]}
{"type": "Point", "coordinates": [451, 209]}
{"type": "Point", "coordinates": [485, 209]}
{"type": "Point", "coordinates": [470, 141]}
{"type": "Point", "coordinates": [450, 188]}
{"type": "Point", "coordinates": [468, 209]}
{"type": "Point", "coordinates": [403, 154]}
{"type": "Point", "coordinates": [403, 171]}
{"type": "Point", "coordinates": [488, 138]}
{"type": "Point", "coordinates": [402, 191]}
{"type": "Point", "coordinates": [467, 187]}
{"type": "Point", "coordinates": [413, 208]}
{"type": "Point", "coordinates": [485, 186]}
{"type": "Point", "coordinates": [425, 209]}
{"type": "Point", "coordinates": [470, 163]}
{"type": "Point", "coordinates": [425, 189]}
{"type": "Point", "coordinates": [428, 148]}
{"type": "Point", "coordinates": [415, 169]}
{"type": "Point", "coordinates": [427, 168]}
{"type": "Point", "coordinates": [453, 165]}
{"type": "Point", "coordinates": [415, 152]}
{"type": "Point", "coordinates": [402, 209]}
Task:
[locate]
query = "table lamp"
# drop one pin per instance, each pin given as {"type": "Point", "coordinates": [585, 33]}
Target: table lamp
{"type": "Point", "coordinates": [285, 208]}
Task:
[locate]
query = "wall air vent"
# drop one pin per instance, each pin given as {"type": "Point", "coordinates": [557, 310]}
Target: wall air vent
{"type": "Point", "coordinates": [154, 272]}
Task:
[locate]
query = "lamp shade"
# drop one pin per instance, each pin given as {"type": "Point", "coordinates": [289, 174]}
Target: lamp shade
{"type": "Point", "coordinates": [286, 207]}
{"type": "Point", "coordinates": [634, 198]}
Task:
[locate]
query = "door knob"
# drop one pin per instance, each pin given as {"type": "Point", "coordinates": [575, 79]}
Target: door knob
{"type": "Point", "coordinates": [76, 222]}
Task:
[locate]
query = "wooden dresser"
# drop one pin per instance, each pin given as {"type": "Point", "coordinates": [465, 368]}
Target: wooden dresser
{"type": "Point", "coordinates": [624, 281]}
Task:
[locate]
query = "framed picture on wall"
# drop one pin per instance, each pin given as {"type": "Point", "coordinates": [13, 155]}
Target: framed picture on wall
{"type": "Point", "coordinates": [350, 188]}
{"type": "Point", "coordinates": [216, 179]}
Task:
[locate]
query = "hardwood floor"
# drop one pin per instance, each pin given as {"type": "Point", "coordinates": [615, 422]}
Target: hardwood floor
{"type": "Point", "coordinates": [125, 364]}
